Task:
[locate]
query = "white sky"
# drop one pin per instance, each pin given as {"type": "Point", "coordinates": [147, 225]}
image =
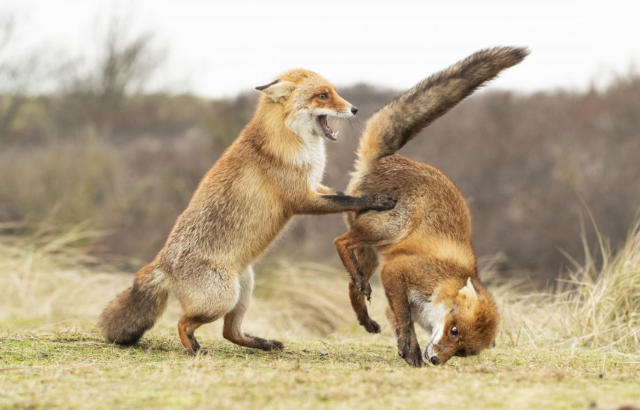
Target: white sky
{"type": "Point", "coordinates": [219, 48]}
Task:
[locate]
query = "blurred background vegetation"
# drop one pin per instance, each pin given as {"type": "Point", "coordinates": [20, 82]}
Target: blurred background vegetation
{"type": "Point", "coordinates": [100, 152]}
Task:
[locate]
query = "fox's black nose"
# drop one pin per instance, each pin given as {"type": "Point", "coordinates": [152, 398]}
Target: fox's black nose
{"type": "Point", "coordinates": [434, 360]}
{"type": "Point", "coordinates": [354, 109]}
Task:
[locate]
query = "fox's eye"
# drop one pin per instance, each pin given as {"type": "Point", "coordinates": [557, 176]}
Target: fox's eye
{"type": "Point", "coordinates": [323, 96]}
{"type": "Point", "coordinates": [454, 331]}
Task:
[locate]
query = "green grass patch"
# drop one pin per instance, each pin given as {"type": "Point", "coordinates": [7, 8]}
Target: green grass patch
{"type": "Point", "coordinates": [76, 369]}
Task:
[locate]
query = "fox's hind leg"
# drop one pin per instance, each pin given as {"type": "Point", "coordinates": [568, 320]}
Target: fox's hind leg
{"type": "Point", "coordinates": [206, 293]}
{"type": "Point", "coordinates": [367, 259]}
{"type": "Point", "coordinates": [357, 250]}
{"type": "Point", "coordinates": [232, 330]}
{"type": "Point", "coordinates": [371, 229]}
{"type": "Point", "coordinates": [186, 328]}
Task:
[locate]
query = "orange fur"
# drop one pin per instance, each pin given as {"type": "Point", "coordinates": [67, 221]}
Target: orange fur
{"type": "Point", "coordinates": [271, 172]}
{"type": "Point", "coordinates": [429, 272]}
{"type": "Point", "coordinates": [440, 247]}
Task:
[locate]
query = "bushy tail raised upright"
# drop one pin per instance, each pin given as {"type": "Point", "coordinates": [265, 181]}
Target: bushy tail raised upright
{"type": "Point", "coordinates": [400, 120]}
{"type": "Point", "coordinates": [136, 309]}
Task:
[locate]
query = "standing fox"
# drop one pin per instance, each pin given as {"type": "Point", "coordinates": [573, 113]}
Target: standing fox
{"type": "Point", "coordinates": [429, 272]}
{"type": "Point", "coordinates": [271, 172]}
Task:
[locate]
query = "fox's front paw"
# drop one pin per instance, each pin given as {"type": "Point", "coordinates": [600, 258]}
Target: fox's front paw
{"type": "Point", "coordinates": [408, 349]}
{"type": "Point", "coordinates": [411, 355]}
{"type": "Point", "coordinates": [414, 359]}
{"type": "Point", "coordinates": [382, 202]}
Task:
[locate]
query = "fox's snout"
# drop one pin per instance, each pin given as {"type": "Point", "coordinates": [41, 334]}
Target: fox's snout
{"type": "Point", "coordinates": [431, 356]}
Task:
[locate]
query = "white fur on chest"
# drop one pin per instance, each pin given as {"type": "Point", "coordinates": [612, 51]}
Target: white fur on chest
{"type": "Point", "coordinates": [315, 155]}
{"type": "Point", "coordinates": [430, 316]}
{"type": "Point", "coordinates": [313, 152]}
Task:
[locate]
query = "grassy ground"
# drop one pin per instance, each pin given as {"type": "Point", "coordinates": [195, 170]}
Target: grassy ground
{"type": "Point", "coordinates": [76, 369]}
{"type": "Point", "coordinates": [52, 356]}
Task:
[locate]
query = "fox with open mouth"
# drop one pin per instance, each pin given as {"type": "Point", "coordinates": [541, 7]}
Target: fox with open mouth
{"type": "Point", "coordinates": [271, 172]}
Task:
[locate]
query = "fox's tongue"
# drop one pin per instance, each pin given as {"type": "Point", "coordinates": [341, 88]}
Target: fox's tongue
{"type": "Point", "coordinates": [328, 132]}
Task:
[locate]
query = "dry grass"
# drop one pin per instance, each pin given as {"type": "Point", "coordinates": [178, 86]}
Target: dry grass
{"type": "Point", "coordinates": [561, 349]}
{"type": "Point", "coordinates": [597, 305]}
{"type": "Point", "coordinates": [603, 304]}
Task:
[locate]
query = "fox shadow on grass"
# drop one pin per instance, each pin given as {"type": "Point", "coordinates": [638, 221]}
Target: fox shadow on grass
{"type": "Point", "coordinates": [221, 349]}
{"type": "Point", "coordinates": [166, 347]}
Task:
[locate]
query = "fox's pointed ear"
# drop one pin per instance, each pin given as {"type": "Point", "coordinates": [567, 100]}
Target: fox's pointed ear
{"type": "Point", "coordinates": [468, 290]}
{"type": "Point", "coordinates": [277, 89]}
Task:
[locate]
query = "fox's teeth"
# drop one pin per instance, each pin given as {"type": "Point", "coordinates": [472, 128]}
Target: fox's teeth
{"type": "Point", "coordinates": [335, 134]}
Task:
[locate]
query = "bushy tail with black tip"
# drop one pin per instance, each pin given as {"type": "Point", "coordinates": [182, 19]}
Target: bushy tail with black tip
{"type": "Point", "coordinates": [135, 310]}
{"type": "Point", "coordinates": [399, 121]}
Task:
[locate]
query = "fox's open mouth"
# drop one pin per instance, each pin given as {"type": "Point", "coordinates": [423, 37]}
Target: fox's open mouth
{"type": "Point", "coordinates": [328, 132]}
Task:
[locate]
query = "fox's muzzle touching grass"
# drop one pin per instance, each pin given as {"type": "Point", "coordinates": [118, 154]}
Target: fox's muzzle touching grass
{"type": "Point", "coordinates": [429, 272]}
